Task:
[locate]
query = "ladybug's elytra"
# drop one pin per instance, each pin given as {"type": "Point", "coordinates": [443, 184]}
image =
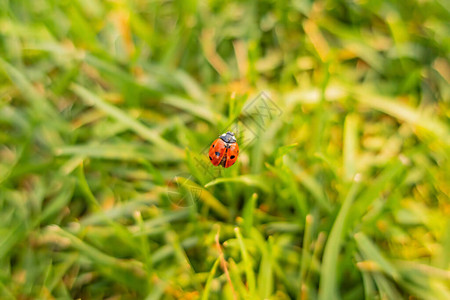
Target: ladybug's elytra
{"type": "Point", "coordinates": [224, 151]}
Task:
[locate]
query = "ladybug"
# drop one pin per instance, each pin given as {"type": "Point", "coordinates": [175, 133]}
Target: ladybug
{"type": "Point", "coordinates": [224, 151]}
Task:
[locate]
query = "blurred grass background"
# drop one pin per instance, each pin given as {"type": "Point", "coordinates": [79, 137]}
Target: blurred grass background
{"type": "Point", "coordinates": [104, 105]}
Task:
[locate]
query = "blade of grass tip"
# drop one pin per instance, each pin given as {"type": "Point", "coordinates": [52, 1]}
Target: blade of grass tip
{"type": "Point", "coordinates": [328, 279]}
{"type": "Point", "coordinates": [250, 275]}
{"type": "Point", "coordinates": [371, 252]}
{"type": "Point", "coordinates": [248, 212]}
{"type": "Point", "coordinates": [248, 180]}
{"type": "Point", "coordinates": [209, 280]}
{"type": "Point", "coordinates": [350, 146]}
{"type": "Point", "coordinates": [122, 117]}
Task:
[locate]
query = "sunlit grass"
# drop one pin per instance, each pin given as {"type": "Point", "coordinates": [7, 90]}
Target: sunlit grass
{"type": "Point", "coordinates": [341, 189]}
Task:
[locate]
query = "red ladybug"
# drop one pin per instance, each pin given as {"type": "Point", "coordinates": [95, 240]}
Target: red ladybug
{"type": "Point", "coordinates": [224, 151]}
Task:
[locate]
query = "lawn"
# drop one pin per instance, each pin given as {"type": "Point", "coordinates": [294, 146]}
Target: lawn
{"type": "Point", "coordinates": [341, 111]}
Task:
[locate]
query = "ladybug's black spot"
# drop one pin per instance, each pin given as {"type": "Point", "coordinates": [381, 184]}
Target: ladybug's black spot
{"type": "Point", "coordinates": [232, 156]}
{"type": "Point", "coordinates": [214, 146]}
{"type": "Point", "coordinates": [217, 154]}
{"type": "Point", "coordinates": [210, 158]}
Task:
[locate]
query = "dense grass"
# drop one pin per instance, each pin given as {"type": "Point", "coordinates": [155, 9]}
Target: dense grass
{"type": "Point", "coordinates": [341, 189]}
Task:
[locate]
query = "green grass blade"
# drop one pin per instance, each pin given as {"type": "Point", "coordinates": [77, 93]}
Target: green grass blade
{"type": "Point", "coordinates": [196, 109]}
{"type": "Point", "coordinates": [122, 152]}
{"type": "Point", "coordinates": [38, 102]}
{"type": "Point", "coordinates": [248, 180]}
{"type": "Point", "coordinates": [371, 252]}
{"type": "Point", "coordinates": [248, 212]}
{"type": "Point", "coordinates": [265, 272]}
{"type": "Point", "coordinates": [128, 272]}
{"type": "Point", "coordinates": [405, 113]}
{"type": "Point", "coordinates": [122, 117]}
{"type": "Point", "coordinates": [250, 275]}
{"type": "Point", "coordinates": [205, 295]}
{"type": "Point", "coordinates": [204, 195]}
{"type": "Point", "coordinates": [311, 185]}
{"type": "Point", "coordinates": [306, 255]}
{"type": "Point", "coordinates": [328, 289]}
{"type": "Point", "coordinates": [350, 146]}
{"type": "Point", "coordinates": [58, 202]}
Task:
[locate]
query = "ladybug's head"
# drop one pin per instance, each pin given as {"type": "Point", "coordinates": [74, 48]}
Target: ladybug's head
{"type": "Point", "coordinates": [228, 137]}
